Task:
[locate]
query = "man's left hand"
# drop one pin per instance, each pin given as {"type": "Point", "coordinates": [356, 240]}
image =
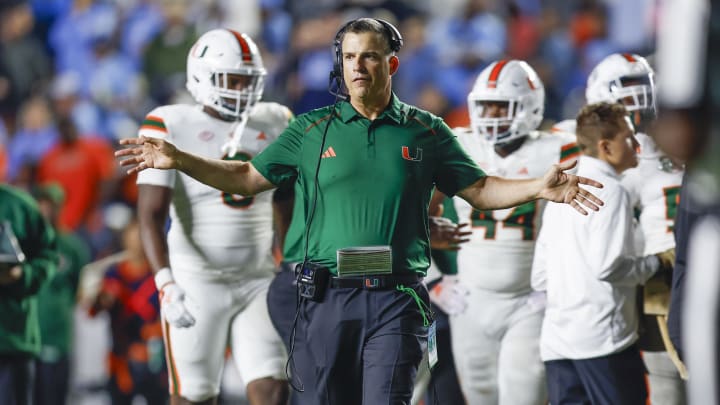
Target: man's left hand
{"type": "Point", "coordinates": [562, 187]}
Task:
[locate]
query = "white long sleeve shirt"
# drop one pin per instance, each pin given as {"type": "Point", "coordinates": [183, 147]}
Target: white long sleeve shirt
{"type": "Point", "coordinates": [588, 267]}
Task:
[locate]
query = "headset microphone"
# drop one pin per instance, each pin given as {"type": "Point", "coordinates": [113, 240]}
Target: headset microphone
{"type": "Point", "coordinates": [335, 86]}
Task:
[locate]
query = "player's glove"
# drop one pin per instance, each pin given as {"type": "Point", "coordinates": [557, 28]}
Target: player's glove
{"type": "Point", "coordinates": [667, 263]}
{"type": "Point", "coordinates": [667, 258]}
{"type": "Point", "coordinates": [172, 300]}
{"type": "Point", "coordinates": [449, 295]}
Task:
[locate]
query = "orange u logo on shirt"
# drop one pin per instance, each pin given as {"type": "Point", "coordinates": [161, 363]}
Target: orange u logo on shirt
{"type": "Point", "coordinates": [406, 154]}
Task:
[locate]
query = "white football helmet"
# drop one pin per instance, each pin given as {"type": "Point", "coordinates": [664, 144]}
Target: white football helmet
{"type": "Point", "coordinates": [624, 78]}
{"type": "Point", "coordinates": [514, 82]}
{"type": "Point", "coordinates": [216, 55]}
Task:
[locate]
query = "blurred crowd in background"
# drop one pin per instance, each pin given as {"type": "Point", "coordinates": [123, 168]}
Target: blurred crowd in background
{"type": "Point", "coordinates": [76, 75]}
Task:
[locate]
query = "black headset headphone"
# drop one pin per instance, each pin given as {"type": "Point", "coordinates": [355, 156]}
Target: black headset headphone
{"type": "Point", "coordinates": [336, 75]}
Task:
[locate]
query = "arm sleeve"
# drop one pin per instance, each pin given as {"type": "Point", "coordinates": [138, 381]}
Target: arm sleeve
{"type": "Point", "coordinates": [279, 161]}
{"type": "Point", "coordinates": [538, 275]}
{"type": "Point", "coordinates": [568, 151]}
{"type": "Point", "coordinates": [40, 248]}
{"type": "Point", "coordinates": [456, 170]}
{"type": "Point", "coordinates": [686, 216]}
{"type": "Point", "coordinates": [154, 126]}
{"type": "Point", "coordinates": [612, 236]}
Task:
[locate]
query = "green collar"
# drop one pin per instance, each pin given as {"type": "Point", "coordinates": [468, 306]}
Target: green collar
{"type": "Point", "coordinates": [394, 111]}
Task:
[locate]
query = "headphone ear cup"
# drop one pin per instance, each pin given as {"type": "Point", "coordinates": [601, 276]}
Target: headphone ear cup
{"type": "Point", "coordinates": [396, 40]}
{"type": "Point", "coordinates": [337, 66]}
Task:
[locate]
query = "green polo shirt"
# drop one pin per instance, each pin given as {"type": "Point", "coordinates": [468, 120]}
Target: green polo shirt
{"type": "Point", "coordinates": [374, 182]}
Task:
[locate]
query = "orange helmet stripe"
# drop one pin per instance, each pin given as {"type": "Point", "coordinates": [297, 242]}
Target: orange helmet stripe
{"type": "Point", "coordinates": [628, 57]}
{"type": "Point", "coordinates": [530, 83]}
{"type": "Point", "coordinates": [495, 73]}
{"type": "Point", "coordinates": [244, 47]}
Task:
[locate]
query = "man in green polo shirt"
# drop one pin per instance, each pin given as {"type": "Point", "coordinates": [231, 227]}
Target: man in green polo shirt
{"type": "Point", "coordinates": [363, 171]}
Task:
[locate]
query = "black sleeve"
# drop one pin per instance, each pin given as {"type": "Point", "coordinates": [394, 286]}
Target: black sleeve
{"type": "Point", "coordinates": [687, 215]}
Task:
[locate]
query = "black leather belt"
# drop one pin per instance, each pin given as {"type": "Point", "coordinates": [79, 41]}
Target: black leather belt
{"type": "Point", "coordinates": [379, 282]}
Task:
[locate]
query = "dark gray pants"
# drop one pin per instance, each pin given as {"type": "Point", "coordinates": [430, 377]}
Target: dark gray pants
{"type": "Point", "coordinates": [361, 347]}
{"type": "Point", "coordinates": [52, 381]}
{"type": "Point", "coordinates": [17, 376]}
{"type": "Point", "coordinates": [615, 379]}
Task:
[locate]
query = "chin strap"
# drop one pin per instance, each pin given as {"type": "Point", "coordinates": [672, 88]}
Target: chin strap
{"type": "Point", "coordinates": [231, 147]}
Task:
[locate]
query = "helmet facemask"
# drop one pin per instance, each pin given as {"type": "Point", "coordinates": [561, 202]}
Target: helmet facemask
{"type": "Point", "coordinates": [636, 93]}
{"type": "Point", "coordinates": [234, 93]}
{"type": "Point", "coordinates": [495, 129]}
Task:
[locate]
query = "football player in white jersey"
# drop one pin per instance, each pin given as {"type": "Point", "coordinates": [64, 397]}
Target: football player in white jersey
{"type": "Point", "coordinates": [495, 339]}
{"type": "Point", "coordinates": [214, 264]}
{"type": "Point", "coordinates": [654, 186]}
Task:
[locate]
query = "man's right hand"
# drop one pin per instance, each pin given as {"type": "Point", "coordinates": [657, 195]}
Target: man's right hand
{"type": "Point", "coordinates": [145, 153]}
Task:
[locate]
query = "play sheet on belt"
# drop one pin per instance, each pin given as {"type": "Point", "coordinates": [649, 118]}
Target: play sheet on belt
{"type": "Point", "coordinates": [362, 260]}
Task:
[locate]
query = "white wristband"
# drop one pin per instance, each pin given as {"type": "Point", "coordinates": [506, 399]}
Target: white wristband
{"type": "Point", "coordinates": [163, 277]}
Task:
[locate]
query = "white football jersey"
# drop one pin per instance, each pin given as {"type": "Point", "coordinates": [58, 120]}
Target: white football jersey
{"type": "Point", "coordinates": [500, 252]}
{"type": "Point", "coordinates": [213, 231]}
{"type": "Point", "coordinates": [654, 187]}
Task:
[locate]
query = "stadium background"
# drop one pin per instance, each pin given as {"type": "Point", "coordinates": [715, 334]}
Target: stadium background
{"type": "Point", "coordinates": [104, 64]}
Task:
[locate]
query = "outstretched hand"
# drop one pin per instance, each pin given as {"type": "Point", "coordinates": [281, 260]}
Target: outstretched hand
{"type": "Point", "coordinates": [562, 187]}
{"type": "Point", "coordinates": [145, 153]}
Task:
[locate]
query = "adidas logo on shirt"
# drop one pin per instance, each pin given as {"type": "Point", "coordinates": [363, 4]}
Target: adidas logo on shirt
{"type": "Point", "coordinates": [329, 153]}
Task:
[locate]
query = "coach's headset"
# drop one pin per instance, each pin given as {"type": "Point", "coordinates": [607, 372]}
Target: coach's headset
{"type": "Point", "coordinates": [337, 85]}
